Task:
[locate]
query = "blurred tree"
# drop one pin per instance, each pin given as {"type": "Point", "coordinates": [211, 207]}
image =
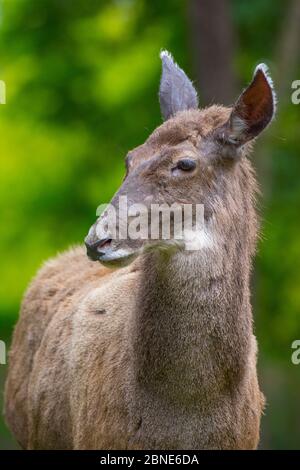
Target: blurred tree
{"type": "Point", "coordinates": [288, 50]}
{"type": "Point", "coordinates": [212, 42]}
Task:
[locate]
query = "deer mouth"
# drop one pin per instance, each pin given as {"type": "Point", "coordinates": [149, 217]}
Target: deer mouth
{"type": "Point", "coordinates": [106, 243]}
{"type": "Point", "coordinates": [110, 252]}
{"type": "Point", "coordinates": [117, 258]}
{"type": "Point", "coordinates": [94, 249]}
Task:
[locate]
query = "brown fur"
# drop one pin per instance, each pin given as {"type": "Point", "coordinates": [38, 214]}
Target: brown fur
{"type": "Point", "coordinates": [160, 354]}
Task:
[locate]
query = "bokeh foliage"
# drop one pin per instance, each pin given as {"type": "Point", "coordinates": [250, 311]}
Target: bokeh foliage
{"type": "Point", "coordinates": [82, 79]}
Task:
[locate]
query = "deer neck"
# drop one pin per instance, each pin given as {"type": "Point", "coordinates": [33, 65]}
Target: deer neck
{"type": "Point", "coordinates": [192, 325]}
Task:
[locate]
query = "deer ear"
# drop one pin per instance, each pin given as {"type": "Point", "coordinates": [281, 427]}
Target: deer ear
{"type": "Point", "coordinates": [176, 91]}
{"type": "Point", "coordinates": [253, 111]}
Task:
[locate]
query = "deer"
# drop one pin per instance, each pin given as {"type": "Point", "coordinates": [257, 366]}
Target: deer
{"type": "Point", "coordinates": [143, 344]}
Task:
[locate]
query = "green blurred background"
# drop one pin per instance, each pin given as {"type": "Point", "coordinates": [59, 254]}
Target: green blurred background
{"type": "Point", "coordinates": [81, 89]}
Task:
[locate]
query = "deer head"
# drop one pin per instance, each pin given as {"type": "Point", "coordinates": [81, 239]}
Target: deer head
{"type": "Point", "coordinates": [197, 156]}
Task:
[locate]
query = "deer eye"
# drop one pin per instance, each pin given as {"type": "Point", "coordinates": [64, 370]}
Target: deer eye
{"type": "Point", "coordinates": [186, 164]}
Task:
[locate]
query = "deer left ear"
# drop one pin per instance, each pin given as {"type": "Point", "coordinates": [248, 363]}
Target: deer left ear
{"type": "Point", "coordinates": [253, 111]}
{"type": "Point", "coordinates": [176, 92]}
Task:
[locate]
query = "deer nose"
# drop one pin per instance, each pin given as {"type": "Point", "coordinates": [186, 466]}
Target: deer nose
{"type": "Point", "coordinates": [93, 249]}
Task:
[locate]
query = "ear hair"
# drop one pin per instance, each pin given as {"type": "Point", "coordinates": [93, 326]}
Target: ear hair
{"type": "Point", "coordinates": [265, 70]}
{"type": "Point", "coordinates": [252, 112]}
{"type": "Point", "coordinates": [176, 91]}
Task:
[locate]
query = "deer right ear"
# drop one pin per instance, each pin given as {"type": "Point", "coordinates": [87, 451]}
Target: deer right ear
{"type": "Point", "coordinates": [253, 111]}
{"type": "Point", "coordinates": [176, 91]}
